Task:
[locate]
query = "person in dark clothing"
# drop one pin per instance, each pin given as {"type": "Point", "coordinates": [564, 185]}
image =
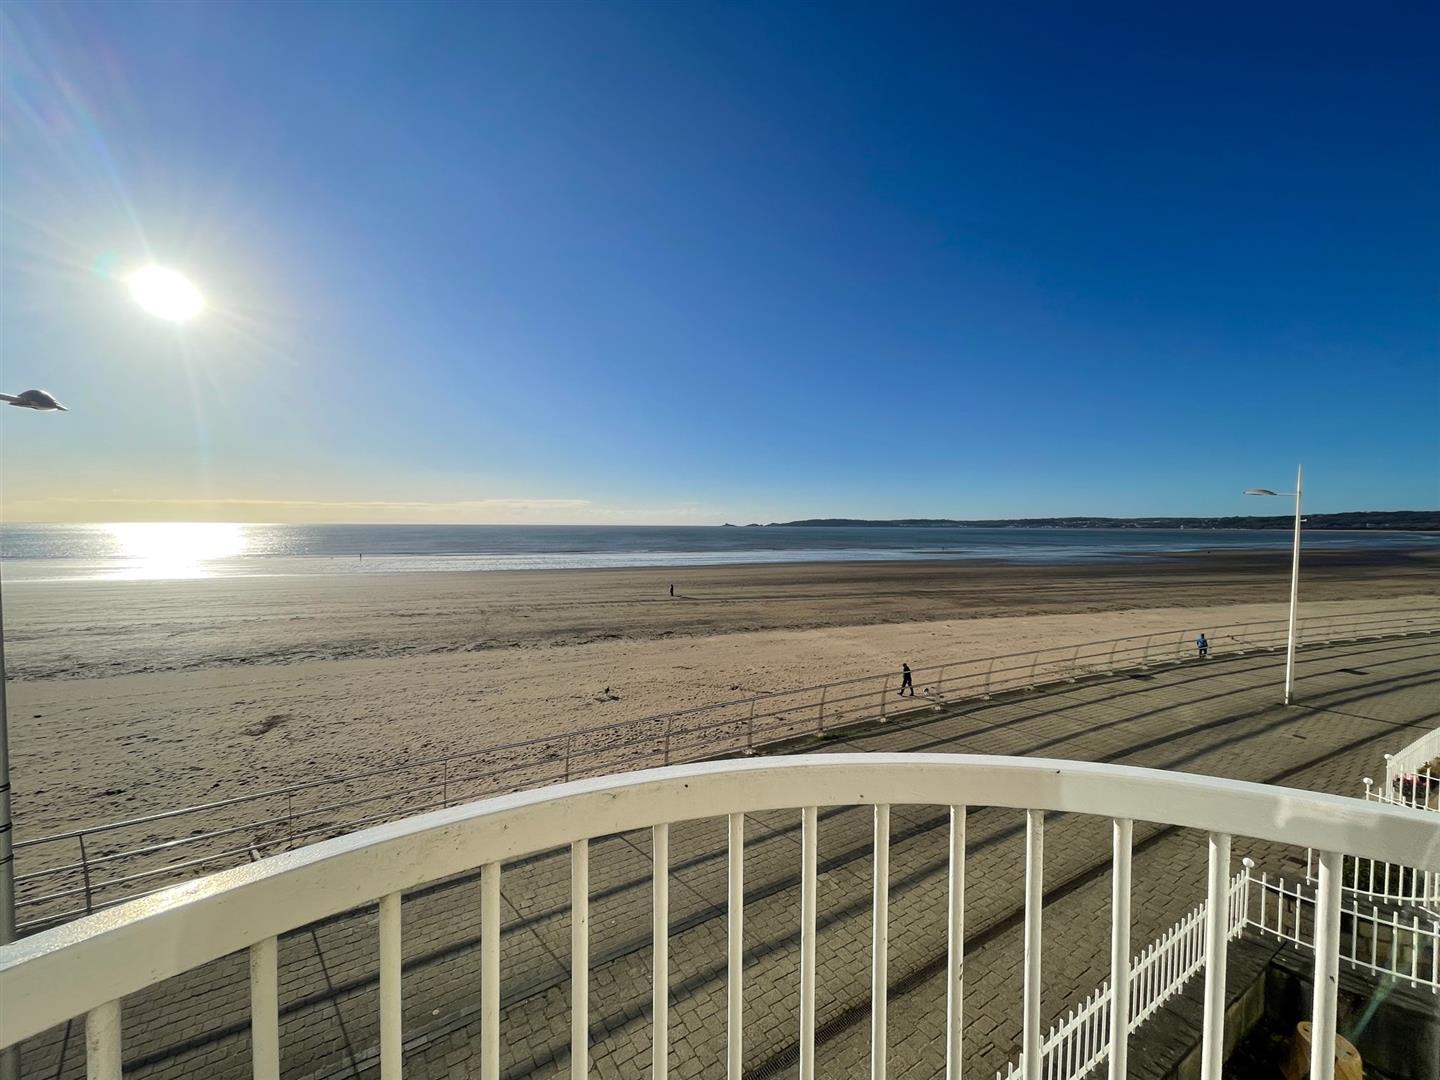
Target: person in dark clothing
{"type": "Point", "coordinates": [1202, 646]}
{"type": "Point", "coordinates": [905, 683]}
{"type": "Point", "coordinates": [672, 590]}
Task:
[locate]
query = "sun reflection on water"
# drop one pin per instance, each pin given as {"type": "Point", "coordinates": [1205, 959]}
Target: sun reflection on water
{"type": "Point", "coordinates": [180, 549]}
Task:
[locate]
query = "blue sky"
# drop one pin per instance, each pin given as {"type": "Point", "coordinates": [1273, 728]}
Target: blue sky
{"type": "Point", "coordinates": [693, 263]}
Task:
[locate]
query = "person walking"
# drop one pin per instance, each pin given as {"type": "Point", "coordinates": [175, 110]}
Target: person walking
{"type": "Point", "coordinates": [905, 683]}
{"type": "Point", "coordinates": [1202, 646]}
{"type": "Point", "coordinates": [672, 590]}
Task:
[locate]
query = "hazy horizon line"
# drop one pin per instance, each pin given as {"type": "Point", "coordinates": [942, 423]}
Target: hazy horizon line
{"type": "Point", "coordinates": [852, 522]}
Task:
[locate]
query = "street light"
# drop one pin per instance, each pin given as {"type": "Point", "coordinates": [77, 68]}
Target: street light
{"type": "Point", "coordinates": [166, 294]}
{"type": "Point", "coordinates": [39, 401]}
{"type": "Point", "coordinates": [1294, 576]}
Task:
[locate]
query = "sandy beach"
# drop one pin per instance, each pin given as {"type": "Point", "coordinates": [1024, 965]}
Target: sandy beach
{"type": "Point", "coordinates": [133, 697]}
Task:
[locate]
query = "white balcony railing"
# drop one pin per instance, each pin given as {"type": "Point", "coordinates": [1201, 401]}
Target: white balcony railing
{"type": "Point", "coordinates": [87, 967]}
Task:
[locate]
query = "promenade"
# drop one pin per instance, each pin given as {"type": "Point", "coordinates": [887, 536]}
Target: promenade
{"type": "Point", "coordinates": [1219, 717]}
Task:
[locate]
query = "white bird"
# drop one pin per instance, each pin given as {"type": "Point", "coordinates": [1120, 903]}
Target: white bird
{"type": "Point", "coordinates": [39, 400]}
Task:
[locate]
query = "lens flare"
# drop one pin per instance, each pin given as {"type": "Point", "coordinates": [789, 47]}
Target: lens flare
{"type": "Point", "coordinates": [165, 293]}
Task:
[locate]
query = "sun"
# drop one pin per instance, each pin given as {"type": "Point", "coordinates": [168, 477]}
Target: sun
{"type": "Point", "coordinates": [165, 293]}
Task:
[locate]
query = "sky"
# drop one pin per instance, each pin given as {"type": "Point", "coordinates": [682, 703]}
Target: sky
{"type": "Point", "coordinates": [693, 263]}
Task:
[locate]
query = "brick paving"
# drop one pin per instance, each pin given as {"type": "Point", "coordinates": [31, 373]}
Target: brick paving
{"type": "Point", "coordinates": [1358, 700]}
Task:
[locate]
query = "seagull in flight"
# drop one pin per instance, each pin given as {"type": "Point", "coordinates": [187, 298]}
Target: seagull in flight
{"type": "Point", "coordinates": [39, 400]}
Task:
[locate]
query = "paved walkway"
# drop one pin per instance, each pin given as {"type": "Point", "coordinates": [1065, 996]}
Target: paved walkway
{"type": "Point", "coordinates": [1358, 701]}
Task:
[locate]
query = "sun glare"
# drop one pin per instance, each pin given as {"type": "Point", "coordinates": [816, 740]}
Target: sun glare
{"type": "Point", "coordinates": [185, 549]}
{"type": "Point", "coordinates": [165, 293]}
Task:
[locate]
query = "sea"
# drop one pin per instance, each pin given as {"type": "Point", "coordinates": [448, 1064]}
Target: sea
{"type": "Point", "coordinates": [138, 551]}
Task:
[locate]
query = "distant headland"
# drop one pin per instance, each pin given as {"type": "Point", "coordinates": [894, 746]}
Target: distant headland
{"type": "Point", "coordinates": [1389, 520]}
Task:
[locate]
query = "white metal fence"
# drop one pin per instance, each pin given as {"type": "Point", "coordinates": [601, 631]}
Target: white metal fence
{"type": "Point", "coordinates": [88, 967]}
{"type": "Point", "coordinates": [1387, 943]}
{"type": "Point", "coordinates": [1383, 942]}
{"type": "Point", "coordinates": [1383, 882]}
{"type": "Point", "coordinates": [65, 875]}
{"type": "Point", "coordinates": [1419, 788]}
{"type": "Point", "coordinates": [1080, 1040]}
{"type": "Point", "coordinates": [1414, 759]}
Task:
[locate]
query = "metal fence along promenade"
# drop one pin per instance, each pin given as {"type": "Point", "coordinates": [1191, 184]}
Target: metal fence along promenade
{"type": "Point", "coordinates": [89, 968]}
{"type": "Point", "coordinates": [1388, 944]}
{"type": "Point", "coordinates": [76, 872]}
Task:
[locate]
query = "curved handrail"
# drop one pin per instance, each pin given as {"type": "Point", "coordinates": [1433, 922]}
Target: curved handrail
{"type": "Point", "coordinates": [52, 976]}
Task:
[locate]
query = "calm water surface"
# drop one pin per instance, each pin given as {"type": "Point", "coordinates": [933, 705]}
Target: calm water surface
{"type": "Point", "coordinates": [141, 551]}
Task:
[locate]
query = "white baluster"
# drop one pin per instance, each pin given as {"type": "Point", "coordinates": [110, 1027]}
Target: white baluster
{"type": "Point", "coordinates": [1034, 903]}
{"type": "Point", "coordinates": [390, 972]}
{"type": "Point", "coordinates": [734, 1038]}
{"type": "Point", "coordinates": [265, 1010]}
{"type": "Point", "coordinates": [1120, 949]}
{"type": "Point", "coordinates": [1374, 937]}
{"type": "Point", "coordinates": [660, 933]}
{"type": "Point", "coordinates": [1435, 957]}
{"type": "Point", "coordinates": [579, 959]}
{"type": "Point", "coordinates": [490, 971]}
{"type": "Point", "coordinates": [102, 1042]}
{"type": "Point", "coordinates": [955, 965]}
{"type": "Point", "coordinates": [1415, 952]}
{"type": "Point", "coordinates": [808, 858]}
{"type": "Point", "coordinates": [1327, 968]}
{"type": "Point", "coordinates": [1212, 1045]}
{"type": "Point", "coordinates": [880, 944]}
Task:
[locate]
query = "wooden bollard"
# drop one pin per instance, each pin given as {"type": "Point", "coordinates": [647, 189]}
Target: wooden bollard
{"type": "Point", "coordinates": [1347, 1059]}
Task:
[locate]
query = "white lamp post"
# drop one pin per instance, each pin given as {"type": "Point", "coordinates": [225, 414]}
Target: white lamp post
{"type": "Point", "coordinates": [1294, 577]}
{"type": "Point", "coordinates": [168, 295]}
{"type": "Point", "coordinates": [39, 401]}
